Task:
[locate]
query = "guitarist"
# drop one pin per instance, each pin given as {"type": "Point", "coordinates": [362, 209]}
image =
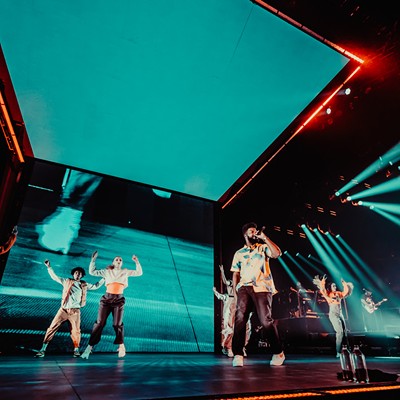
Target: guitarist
{"type": "Point", "coordinates": [370, 307]}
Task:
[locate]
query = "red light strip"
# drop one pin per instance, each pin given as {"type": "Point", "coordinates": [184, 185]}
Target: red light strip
{"type": "Point", "coordinates": [17, 149]}
{"type": "Point", "coordinates": [291, 137]}
{"type": "Point", "coordinates": [309, 31]}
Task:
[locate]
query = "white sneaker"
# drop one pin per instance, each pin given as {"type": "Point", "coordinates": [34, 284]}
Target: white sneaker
{"type": "Point", "coordinates": [86, 353]}
{"type": "Point", "coordinates": [237, 361]}
{"type": "Point", "coordinates": [244, 352]}
{"type": "Point", "coordinates": [278, 359]}
{"type": "Point", "coordinates": [121, 351]}
{"type": "Point", "coordinates": [40, 354]}
{"type": "Point", "coordinates": [230, 353]}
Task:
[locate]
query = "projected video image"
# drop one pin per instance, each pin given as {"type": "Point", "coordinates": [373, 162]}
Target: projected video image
{"type": "Point", "coordinates": [69, 214]}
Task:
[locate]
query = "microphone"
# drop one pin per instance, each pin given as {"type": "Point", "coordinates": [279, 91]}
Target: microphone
{"type": "Point", "coordinates": [260, 232]}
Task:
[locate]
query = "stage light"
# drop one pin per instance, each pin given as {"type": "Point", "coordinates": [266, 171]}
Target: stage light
{"type": "Point", "coordinates": [392, 208]}
{"type": "Point", "coordinates": [391, 156]}
{"type": "Point", "coordinates": [387, 186]}
{"type": "Point", "coordinates": [328, 110]}
{"type": "Point", "coordinates": [347, 91]}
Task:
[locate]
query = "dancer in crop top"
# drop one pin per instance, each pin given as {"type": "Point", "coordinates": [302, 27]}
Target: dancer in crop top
{"type": "Point", "coordinates": [334, 299]}
{"type": "Point", "coordinates": [112, 302]}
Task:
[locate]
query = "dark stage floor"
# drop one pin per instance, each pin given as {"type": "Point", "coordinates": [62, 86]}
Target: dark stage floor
{"type": "Point", "coordinates": [188, 376]}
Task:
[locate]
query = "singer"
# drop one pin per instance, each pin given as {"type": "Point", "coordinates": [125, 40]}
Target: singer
{"type": "Point", "coordinates": [253, 286]}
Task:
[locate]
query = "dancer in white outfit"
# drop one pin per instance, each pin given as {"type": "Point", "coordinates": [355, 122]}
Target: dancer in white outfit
{"type": "Point", "coordinates": [112, 302]}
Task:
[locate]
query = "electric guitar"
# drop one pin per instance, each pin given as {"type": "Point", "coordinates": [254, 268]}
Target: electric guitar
{"type": "Point", "coordinates": [372, 307]}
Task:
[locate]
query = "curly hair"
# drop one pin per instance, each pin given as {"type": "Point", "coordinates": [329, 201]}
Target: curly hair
{"type": "Point", "coordinates": [80, 269]}
{"type": "Point", "coordinates": [247, 226]}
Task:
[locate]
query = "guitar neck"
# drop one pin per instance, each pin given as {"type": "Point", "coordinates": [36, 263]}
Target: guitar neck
{"type": "Point", "coordinates": [380, 302]}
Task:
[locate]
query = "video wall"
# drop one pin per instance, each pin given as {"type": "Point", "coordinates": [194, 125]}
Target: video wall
{"type": "Point", "coordinates": [68, 214]}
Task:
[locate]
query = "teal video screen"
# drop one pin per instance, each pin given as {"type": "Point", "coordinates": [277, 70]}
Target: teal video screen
{"type": "Point", "coordinates": [67, 214]}
{"type": "Point", "coordinates": [163, 93]}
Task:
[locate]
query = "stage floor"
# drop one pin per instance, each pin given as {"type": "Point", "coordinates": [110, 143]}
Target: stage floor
{"type": "Point", "coordinates": [186, 376]}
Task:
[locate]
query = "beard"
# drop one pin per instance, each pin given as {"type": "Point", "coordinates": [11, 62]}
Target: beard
{"type": "Point", "coordinates": [253, 240]}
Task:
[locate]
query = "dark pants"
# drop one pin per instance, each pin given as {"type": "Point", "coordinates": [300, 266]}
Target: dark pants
{"type": "Point", "coordinates": [109, 303]}
{"type": "Point", "coordinates": [247, 300]}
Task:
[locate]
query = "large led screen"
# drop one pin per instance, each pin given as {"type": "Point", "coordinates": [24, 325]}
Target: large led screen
{"type": "Point", "coordinates": [181, 95]}
{"type": "Point", "coordinates": [68, 214]}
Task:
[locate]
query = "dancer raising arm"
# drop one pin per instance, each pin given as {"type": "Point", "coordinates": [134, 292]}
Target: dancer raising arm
{"type": "Point", "coordinates": [334, 299]}
{"type": "Point", "coordinates": [112, 302]}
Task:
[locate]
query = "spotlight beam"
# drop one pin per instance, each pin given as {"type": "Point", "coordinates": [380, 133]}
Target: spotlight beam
{"type": "Point", "coordinates": [299, 266]}
{"type": "Point", "coordinates": [385, 187]}
{"type": "Point", "coordinates": [323, 254]}
{"type": "Point", "coordinates": [388, 216]}
{"type": "Point", "coordinates": [287, 269]}
{"type": "Point", "coordinates": [334, 262]}
{"type": "Point", "coordinates": [389, 207]}
{"type": "Point", "coordinates": [391, 156]}
{"type": "Point", "coordinates": [311, 264]}
{"type": "Point", "coordinates": [348, 261]}
{"type": "Point", "coordinates": [368, 271]}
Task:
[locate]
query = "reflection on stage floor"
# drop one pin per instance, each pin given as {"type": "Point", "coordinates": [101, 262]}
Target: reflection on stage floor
{"type": "Point", "coordinates": [188, 376]}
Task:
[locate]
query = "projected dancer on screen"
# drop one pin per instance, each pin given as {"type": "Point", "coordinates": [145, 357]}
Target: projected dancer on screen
{"type": "Point", "coordinates": [73, 299]}
{"type": "Point", "coordinates": [112, 302]}
{"type": "Point", "coordinates": [228, 316]}
{"type": "Point", "coordinates": [334, 299]}
{"type": "Point", "coordinates": [58, 231]}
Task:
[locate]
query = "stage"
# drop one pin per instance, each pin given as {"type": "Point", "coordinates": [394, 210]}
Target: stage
{"type": "Point", "coordinates": [188, 376]}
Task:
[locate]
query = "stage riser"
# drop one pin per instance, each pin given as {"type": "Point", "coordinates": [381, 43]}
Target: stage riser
{"type": "Point", "coordinates": [316, 335]}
